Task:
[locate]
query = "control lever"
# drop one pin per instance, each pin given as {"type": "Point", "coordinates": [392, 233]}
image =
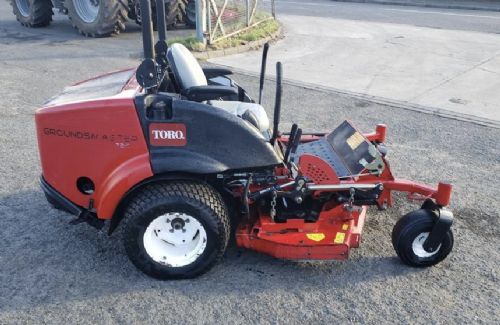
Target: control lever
{"type": "Point", "coordinates": [246, 191]}
{"type": "Point", "coordinates": [291, 138]}
{"type": "Point", "coordinates": [296, 141]}
{"type": "Point", "coordinates": [277, 103]}
{"type": "Point", "coordinates": [263, 71]}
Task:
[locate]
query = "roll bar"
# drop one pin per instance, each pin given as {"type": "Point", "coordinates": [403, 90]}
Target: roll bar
{"type": "Point", "coordinates": [152, 68]}
{"type": "Point", "coordinates": [161, 46]}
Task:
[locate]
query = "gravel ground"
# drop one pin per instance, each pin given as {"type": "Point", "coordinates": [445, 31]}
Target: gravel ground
{"type": "Point", "coordinates": [51, 272]}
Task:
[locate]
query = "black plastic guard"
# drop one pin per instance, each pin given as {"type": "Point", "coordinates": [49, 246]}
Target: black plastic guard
{"type": "Point", "coordinates": [344, 149]}
{"type": "Point", "coordinates": [58, 200]}
{"type": "Point", "coordinates": [216, 141]}
{"type": "Point", "coordinates": [351, 146]}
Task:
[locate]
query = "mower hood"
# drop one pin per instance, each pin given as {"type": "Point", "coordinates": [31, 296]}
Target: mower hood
{"type": "Point", "coordinates": [118, 84]}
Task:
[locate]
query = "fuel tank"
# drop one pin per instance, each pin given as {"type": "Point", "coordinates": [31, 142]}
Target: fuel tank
{"type": "Point", "coordinates": [91, 142]}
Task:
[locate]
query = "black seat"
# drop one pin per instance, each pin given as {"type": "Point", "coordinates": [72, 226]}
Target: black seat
{"type": "Point", "coordinates": [193, 83]}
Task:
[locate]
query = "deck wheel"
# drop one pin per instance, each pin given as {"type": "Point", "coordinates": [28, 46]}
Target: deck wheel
{"type": "Point", "coordinates": [409, 235]}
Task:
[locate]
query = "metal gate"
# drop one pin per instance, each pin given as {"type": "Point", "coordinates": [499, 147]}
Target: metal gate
{"type": "Point", "coordinates": [225, 18]}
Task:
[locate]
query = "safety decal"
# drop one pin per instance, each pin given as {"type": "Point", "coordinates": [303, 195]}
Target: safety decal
{"type": "Point", "coordinates": [167, 134]}
{"type": "Point", "coordinates": [345, 226]}
{"type": "Point", "coordinates": [339, 238]}
{"type": "Point", "coordinates": [355, 140]}
{"type": "Point", "coordinates": [316, 236]}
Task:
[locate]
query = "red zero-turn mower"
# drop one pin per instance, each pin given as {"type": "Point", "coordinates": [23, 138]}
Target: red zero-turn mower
{"type": "Point", "coordinates": [183, 158]}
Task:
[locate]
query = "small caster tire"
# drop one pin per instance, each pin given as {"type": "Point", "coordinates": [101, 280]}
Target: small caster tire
{"type": "Point", "coordinates": [176, 230]}
{"type": "Point", "coordinates": [409, 235]}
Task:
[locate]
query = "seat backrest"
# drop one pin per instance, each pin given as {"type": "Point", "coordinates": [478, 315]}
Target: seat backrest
{"type": "Point", "coordinates": [187, 71]}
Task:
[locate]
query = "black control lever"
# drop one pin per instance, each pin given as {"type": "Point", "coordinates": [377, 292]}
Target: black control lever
{"type": "Point", "coordinates": [293, 148]}
{"type": "Point", "coordinates": [296, 140]}
{"type": "Point", "coordinates": [291, 137]}
{"type": "Point", "coordinates": [263, 71]}
{"type": "Point", "coordinates": [246, 191]}
{"type": "Point", "coordinates": [277, 103]}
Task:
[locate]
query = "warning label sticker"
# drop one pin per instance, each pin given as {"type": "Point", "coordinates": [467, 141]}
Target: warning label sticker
{"type": "Point", "coordinates": [355, 140]}
{"type": "Point", "coordinates": [339, 238]}
{"type": "Point", "coordinates": [316, 236]}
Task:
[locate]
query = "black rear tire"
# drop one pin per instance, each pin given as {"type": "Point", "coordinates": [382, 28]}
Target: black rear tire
{"type": "Point", "coordinates": [411, 231]}
{"type": "Point", "coordinates": [32, 13]}
{"type": "Point", "coordinates": [175, 11]}
{"type": "Point", "coordinates": [198, 200]}
{"type": "Point", "coordinates": [110, 18]}
{"type": "Point", "coordinates": [191, 13]}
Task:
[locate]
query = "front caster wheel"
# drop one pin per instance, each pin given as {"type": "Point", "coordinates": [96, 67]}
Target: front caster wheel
{"type": "Point", "coordinates": [409, 235]}
{"type": "Point", "coordinates": [176, 230]}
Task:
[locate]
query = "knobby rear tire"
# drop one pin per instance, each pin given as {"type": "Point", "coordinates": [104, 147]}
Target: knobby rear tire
{"type": "Point", "coordinates": [37, 14]}
{"type": "Point", "coordinates": [110, 19]}
{"type": "Point", "coordinates": [197, 199]}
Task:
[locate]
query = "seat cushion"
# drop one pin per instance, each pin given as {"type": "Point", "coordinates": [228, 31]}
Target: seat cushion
{"type": "Point", "coordinates": [240, 108]}
{"type": "Point", "coordinates": [188, 72]}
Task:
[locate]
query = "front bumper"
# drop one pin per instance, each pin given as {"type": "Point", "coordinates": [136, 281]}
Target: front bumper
{"type": "Point", "coordinates": [57, 200]}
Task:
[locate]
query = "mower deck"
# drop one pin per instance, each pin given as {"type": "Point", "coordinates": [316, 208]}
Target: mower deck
{"type": "Point", "coordinates": [331, 237]}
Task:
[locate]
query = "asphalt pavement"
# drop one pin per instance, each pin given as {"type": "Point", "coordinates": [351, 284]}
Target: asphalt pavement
{"type": "Point", "coordinates": [438, 18]}
{"type": "Point", "coordinates": [52, 272]}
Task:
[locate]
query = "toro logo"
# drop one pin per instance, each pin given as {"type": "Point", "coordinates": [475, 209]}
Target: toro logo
{"type": "Point", "coordinates": [167, 134]}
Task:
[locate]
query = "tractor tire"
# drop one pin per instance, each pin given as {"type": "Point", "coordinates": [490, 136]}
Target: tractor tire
{"type": "Point", "coordinates": [175, 13]}
{"type": "Point", "coordinates": [191, 13]}
{"type": "Point", "coordinates": [176, 230]}
{"type": "Point", "coordinates": [97, 18]}
{"type": "Point", "coordinates": [409, 234]}
{"type": "Point", "coordinates": [33, 13]}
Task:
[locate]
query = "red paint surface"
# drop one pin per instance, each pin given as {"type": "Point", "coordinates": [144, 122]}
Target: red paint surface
{"type": "Point", "coordinates": [290, 239]}
{"type": "Point", "coordinates": [100, 139]}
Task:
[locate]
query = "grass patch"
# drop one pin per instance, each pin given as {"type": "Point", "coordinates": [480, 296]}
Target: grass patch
{"type": "Point", "coordinates": [262, 30]}
{"type": "Point", "coordinates": [190, 42]}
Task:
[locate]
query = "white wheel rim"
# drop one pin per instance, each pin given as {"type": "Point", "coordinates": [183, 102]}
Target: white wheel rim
{"type": "Point", "coordinates": [418, 246]}
{"type": "Point", "coordinates": [175, 239]}
{"type": "Point", "coordinates": [87, 10]}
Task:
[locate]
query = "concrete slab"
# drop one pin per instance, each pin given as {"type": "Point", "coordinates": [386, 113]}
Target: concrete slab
{"type": "Point", "coordinates": [446, 69]}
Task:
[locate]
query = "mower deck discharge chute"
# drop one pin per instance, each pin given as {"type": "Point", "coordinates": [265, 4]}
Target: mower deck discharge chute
{"type": "Point", "coordinates": [183, 158]}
